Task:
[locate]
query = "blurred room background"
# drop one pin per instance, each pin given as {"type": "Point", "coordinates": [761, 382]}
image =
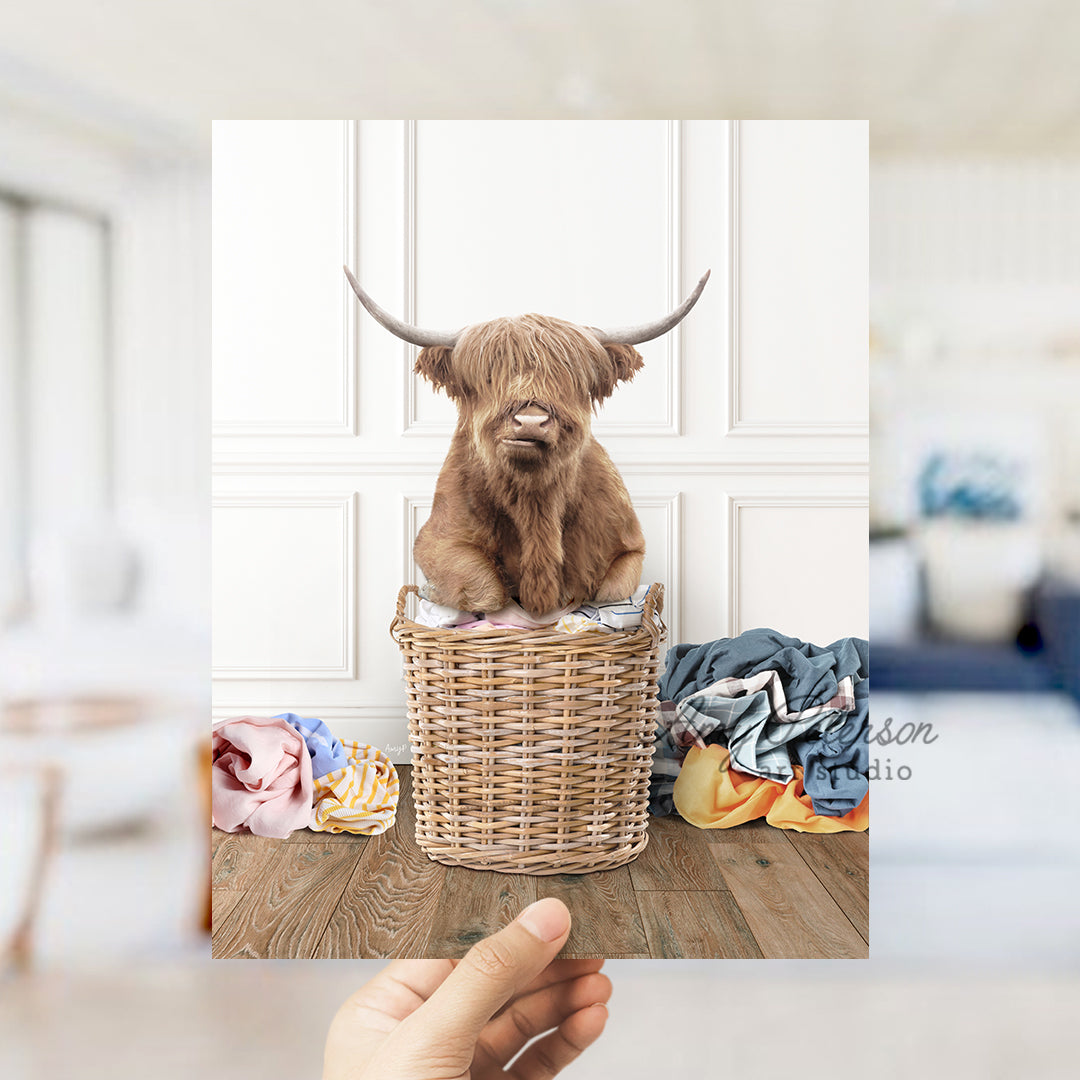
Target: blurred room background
{"type": "Point", "coordinates": [975, 552]}
{"type": "Point", "coordinates": [975, 478]}
{"type": "Point", "coordinates": [104, 566]}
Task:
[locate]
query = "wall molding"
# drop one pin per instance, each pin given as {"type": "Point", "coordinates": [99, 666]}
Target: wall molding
{"type": "Point", "coordinates": [764, 466]}
{"type": "Point", "coordinates": [672, 505]}
{"type": "Point", "coordinates": [346, 423]}
{"type": "Point", "coordinates": [786, 428]}
{"type": "Point", "coordinates": [412, 504]}
{"type": "Point", "coordinates": [671, 423]}
{"type": "Point", "coordinates": [378, 464]}
{"type": "Point", "coordinates": [735, 504]}
{"type": "Point", "coordinates": [736, 425]}
{"type": "Point", "coordinates": [224, 707]}
{"type": "Point", "coordinates": [351, 258]}
{"type": "Point", "coordinates": [347, 504]}
{"type": "Point", "coordinates": [410, 425]}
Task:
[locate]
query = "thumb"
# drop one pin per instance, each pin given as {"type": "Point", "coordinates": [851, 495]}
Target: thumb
{"type": "Point", "coordinates": [491, 973]}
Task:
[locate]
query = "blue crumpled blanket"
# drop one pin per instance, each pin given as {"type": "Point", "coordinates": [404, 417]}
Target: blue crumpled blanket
{"type": "Point", "coordinates": [327, 753]}
{"type": "Point", "coordinates": [834, 753]}
{"type": "Point", "coordinates": [836, 763]}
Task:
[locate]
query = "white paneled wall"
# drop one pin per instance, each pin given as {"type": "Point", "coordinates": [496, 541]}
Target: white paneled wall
{"type": "Point", "coordinates": [802, 282]}
{"type": "Point", "coordinates": [306, 545]}
{"type": "Point", "coordinates": [743, 441]}
{"type": "Point", "coordinates": [278, 213]}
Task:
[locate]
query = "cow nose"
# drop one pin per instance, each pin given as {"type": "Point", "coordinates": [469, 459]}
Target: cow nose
{"type": "Point", "coordinates": [531, 423]}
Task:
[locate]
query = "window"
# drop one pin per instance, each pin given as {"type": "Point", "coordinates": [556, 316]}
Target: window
{"type": "Point", "coordinates": [56, 476]}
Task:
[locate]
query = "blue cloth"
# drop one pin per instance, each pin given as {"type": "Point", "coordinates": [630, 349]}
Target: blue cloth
{"type": "Point", "coordinates": [757, 740]}
{"type": "Point", "coordinates": [836, 764]}
{"type": "Point", "coordinates": [810, 674]}
{"type": "Point", "coordinates": [834, 755]}
{"type": "Point", "coordinates": [327, 754]}
{"type": "Point", "coordinates": [666, 763]}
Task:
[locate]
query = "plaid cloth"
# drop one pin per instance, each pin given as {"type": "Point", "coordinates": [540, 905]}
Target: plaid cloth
{"type": "Point", "coordinates": [805, 703]}
{"type": "Point", "coordinates": [666, 763]}
{"type": "Point", "coordinates": [751, 718]}
{"type": "Point", "coordinates": [810, 673]}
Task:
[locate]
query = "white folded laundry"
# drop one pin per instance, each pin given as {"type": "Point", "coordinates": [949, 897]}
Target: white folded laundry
{"type": "Point", "coordinates": [621, 615]}
{"type": "Point", "coordinates": [441, 616]}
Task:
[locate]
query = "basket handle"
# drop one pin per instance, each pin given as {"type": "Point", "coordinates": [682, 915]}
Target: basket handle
{"type": "Point", "coordinates": [650, 616]}
{"type": "Point", "coordinates": [399, 618]}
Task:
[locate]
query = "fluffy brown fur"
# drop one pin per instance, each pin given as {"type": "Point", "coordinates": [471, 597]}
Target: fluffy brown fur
{"type": "Point", "coordinates": [549, 522]}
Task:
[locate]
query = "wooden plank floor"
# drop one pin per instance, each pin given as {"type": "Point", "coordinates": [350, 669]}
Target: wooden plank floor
{"type": "Point", "coordinates": [748, 892]}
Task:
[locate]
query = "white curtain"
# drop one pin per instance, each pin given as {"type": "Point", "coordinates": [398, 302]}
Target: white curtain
{"type": "Point", "coordinates": [11, 497]}
{"type": "Point", "coordinates": [55, 400]}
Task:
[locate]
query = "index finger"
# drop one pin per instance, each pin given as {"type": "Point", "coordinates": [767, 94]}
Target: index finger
{"type": "Point", "coordinates": [495, 970]}
{"type": "Point", "coordinates": [557, 971]}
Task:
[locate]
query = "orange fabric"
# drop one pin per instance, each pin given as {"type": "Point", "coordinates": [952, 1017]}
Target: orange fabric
{"type": "Point", "coordinates": [794, 810]}
{"type": "Point", "coordinates": [712, 795]}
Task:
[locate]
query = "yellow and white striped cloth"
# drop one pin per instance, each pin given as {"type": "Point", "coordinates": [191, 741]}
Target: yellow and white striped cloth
{"type": "Point", "coordinates": [360, 798]}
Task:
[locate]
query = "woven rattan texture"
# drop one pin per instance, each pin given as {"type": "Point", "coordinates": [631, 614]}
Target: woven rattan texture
{"type": "Point", "coordinates": [531, 749]}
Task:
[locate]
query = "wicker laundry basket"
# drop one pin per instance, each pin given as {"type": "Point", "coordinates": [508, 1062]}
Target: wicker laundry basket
{"type": "Point", "coordinates": [531, 749]}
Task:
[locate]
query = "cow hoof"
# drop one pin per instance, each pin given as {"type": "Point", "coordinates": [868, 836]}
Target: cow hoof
{"type": "Point", "coordinates": [539, 603]}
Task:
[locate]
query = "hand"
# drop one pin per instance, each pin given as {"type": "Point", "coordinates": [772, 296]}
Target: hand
{"type": "Point", "coordinates": [466, 1020]}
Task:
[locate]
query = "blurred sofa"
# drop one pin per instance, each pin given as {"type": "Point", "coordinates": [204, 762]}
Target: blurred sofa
{"type": "Point", "coordinates": [1045, 656]}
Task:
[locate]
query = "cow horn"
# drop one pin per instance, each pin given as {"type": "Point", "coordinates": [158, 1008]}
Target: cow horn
{"type": "Point", "coordinates": [635, 335]}
{"type": "Point", "coordinates": [413, 334]}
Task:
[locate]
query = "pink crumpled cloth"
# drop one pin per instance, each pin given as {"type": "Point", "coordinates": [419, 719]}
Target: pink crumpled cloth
{"type": "Point", "coordinates": [261, 776]}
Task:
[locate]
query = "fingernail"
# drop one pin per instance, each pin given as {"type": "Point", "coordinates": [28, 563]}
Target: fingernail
{"type": "Point", "coordinates": [547, 919]}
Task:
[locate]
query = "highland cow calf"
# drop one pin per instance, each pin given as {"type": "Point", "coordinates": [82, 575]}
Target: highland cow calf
{"type": "Point", "coordinates": [528, 505]}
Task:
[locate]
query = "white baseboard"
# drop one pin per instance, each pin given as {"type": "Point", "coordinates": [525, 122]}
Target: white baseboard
{"type": "Point", "coordinates": [386, 731]}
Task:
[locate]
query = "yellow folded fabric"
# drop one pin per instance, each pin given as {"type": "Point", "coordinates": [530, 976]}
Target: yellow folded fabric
{"type": "Point", "coordinates": [360, 798]}
{"type": "Point", "coordinates": [712, 795]}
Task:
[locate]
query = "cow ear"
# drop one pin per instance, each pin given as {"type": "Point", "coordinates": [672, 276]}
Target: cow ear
{"type": "Point", "coordinates": [625, 361]}
{"type": "Point", "coordinates": [434, 364]}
